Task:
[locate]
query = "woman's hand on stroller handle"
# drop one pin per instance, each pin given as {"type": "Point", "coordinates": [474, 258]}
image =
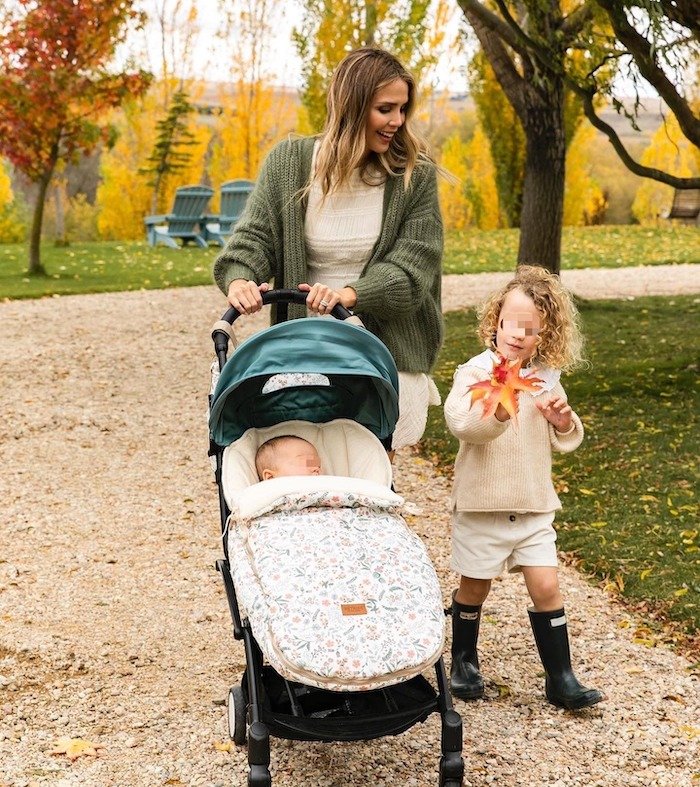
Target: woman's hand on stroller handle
{"type": "Point", "coordinates": [246, 296]}
{"type": "Point", "coordinates": [322, 299]}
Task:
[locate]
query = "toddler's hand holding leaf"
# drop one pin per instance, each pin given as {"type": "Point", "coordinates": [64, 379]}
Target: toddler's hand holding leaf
{"type": "Point", "coordinates": [502, 388]}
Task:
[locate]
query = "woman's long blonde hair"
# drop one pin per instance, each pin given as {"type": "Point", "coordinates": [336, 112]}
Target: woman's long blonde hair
{"type": "Point", "coordinates": [353, 86]}
{"type": "Point", "coordinates": [560, 340]}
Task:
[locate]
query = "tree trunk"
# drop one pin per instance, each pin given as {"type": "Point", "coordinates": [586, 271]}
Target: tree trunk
{"type": "Point", "coordinates": [543, 187]}
{"type": "Point", "coordinates": [35, 266]}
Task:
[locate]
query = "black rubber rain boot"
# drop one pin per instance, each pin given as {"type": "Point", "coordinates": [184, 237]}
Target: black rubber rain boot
{"type": "Point", "coordinates": [561, 686]}
{"type": "Point", "coordinates": [465, 679]}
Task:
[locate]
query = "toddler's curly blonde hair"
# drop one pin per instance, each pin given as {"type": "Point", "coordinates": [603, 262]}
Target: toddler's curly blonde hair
{"type": "Point", "coordinates": [560, 340]}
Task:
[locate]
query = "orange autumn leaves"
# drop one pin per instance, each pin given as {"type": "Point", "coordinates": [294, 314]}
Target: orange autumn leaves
{"type": "Point", "coordinates": [502, 388]}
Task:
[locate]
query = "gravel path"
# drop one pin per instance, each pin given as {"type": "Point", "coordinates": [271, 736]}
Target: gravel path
{"type": "Point", "coordinates": [114, 626]}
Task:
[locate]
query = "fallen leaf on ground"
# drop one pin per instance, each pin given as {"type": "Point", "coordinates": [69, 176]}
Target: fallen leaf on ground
{"type": "Point", "coordinates": [75, 747]}
{"type": "Point", "coordinates": [675, 698]}
{"type": "Point", "coordinates": [227, 746]}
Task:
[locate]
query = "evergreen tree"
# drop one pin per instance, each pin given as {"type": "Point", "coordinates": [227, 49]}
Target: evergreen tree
{"type": "Point", "coordinates": [169, 154]}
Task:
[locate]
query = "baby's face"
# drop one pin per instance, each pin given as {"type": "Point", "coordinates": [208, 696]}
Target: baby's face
{"type": "Point", "coordinates": [297, 457]}
{"type": "Point", "coordinates": [519, 324]}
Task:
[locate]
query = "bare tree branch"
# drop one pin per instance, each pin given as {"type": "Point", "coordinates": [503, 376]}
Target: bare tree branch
{"type": "Point", "coordinates": [572, 24]}
{"type": "Point", "coordinates": [685, 13]}
{"type": "Point", "coordinates": [643, 52]}
{"type": "Point", "coordinates": [628, 161]}
{"type": "Point", "coordinates": [512, 84]}
{"type": "Point", "coordinates": [474, 10]}
{"type": "Point", "coordinates": [529, 44]}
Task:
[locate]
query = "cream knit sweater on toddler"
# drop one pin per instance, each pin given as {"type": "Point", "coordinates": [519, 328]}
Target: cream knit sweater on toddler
{"type": "Point", "coordinates": [501, 467]}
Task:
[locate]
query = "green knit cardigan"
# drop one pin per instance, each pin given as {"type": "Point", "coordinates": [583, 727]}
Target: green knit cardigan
{"type": "Point", "coordinates": [398, 291]}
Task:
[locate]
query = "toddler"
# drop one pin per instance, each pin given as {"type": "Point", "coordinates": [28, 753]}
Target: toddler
{"type": "Point", "coordinates": [503, 497]}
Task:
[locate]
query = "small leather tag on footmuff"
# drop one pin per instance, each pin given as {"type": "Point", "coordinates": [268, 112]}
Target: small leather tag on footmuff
{"type": "Point", "coordinates": [353, 609]}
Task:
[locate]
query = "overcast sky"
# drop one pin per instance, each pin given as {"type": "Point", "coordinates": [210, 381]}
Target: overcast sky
{"type": "Point", "coordinates": [210, 53]}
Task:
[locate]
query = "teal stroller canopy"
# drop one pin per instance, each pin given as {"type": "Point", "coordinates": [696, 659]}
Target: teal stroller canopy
{"type": "Point", "coordinates": [363, 381]}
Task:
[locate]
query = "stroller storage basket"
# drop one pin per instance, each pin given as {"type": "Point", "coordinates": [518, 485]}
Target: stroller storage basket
{"type": "Point", "coordinates": [342, 716]}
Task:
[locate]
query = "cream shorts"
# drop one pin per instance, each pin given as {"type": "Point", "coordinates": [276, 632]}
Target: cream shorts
{"type": "Point", "coordinates": [487, 543]}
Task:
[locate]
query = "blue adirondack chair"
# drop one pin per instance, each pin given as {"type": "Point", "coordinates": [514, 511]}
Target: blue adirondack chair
{"type": "Point", "coordinates": [234, 195]}
{"type": "Point", "coordinates": [184, 221]}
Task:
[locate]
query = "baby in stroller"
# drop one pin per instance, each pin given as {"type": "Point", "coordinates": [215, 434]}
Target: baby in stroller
{"type": "Point", "coordinates": [335, 598]}
{"type": "Point", "coordinates": [339, 592]}
{"type": "Point", "coordinates": [286, 455]}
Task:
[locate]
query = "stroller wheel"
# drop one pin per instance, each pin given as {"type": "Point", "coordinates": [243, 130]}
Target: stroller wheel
{"type": "Point", "coordinates": [237, 712]}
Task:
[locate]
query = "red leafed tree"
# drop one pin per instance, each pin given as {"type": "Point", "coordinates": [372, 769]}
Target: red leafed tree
{"type": "Point", "coordinates": [56, 83]}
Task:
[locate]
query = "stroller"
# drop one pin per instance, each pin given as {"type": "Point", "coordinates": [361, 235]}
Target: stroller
{"type": "Point", "coordinates": [342, 610]}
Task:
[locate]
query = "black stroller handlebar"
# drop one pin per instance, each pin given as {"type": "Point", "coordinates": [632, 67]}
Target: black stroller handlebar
{"type": "Point", "coordinates": [286, 296]}
{"type": "Point", "coordinates": [222, 331]}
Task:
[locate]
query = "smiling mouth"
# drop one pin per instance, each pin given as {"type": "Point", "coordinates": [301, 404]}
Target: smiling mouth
{"type": "Point", "coordinates": [385, 136]}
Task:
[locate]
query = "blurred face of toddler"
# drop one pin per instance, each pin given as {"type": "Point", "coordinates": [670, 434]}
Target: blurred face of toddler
{"type": "Point", "coordinates": [292, 457]}
{"type": "Point", "coordinates": [519, 324]}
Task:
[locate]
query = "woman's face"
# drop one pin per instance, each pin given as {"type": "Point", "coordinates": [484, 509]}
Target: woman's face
{"type": "Point", "coordinates": [387, 114]}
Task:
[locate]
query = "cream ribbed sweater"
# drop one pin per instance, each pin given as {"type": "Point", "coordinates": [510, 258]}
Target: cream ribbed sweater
{"type": "Point", "coordinates": [341, 231]}
{"type": "Point", "coordinates": [499, 467]}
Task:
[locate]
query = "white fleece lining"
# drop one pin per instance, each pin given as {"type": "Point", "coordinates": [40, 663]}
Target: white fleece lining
{"type": "Point", "coordinates": [345, 447]}
{"type": "Point", "coordinates": [264, 496]}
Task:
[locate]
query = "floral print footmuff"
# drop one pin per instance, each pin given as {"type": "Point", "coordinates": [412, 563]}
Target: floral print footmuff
{"type": "Point", "coordinates": [340, 594]}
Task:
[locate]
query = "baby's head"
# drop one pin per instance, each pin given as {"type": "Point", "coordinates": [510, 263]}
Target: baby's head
{"type": "Point", "coordinates": [286, 455]}
{"type": "Point", "coordinates": [533, 318]}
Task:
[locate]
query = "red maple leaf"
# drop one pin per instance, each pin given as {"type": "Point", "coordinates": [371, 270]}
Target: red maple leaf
{"type": "Point", "coordinates": [502, 388]}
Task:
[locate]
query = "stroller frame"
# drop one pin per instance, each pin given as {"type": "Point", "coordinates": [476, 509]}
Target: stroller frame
{"type": "Point", "coordinates": [264, 704]}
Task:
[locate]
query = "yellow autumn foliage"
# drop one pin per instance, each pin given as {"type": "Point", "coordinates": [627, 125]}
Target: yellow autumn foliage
{"type": "Point", "coordinates": [254, 117]}
{"type": "Point", "coordinates": [456, 208]}
{"type": "Point", "coordinates": [124, 197]}
{"type": "Point", "coordinates": [79, 222]}
{"type": "Point", "coordinates": [584, 201]}
{"type": "Point", "coordinates": [472, 201]}
{"type": "Point", "coordinates": [5, 187]}
{"type": "Point", "coordinates": [483, 180]}
{"type": "Point", "coordinates": [672, 152]}
{"type": "Point", "coordinates": [12, 226]}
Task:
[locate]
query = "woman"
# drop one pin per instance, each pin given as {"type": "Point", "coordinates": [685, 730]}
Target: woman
{"type": "Point", "coordinates": [352, 217]}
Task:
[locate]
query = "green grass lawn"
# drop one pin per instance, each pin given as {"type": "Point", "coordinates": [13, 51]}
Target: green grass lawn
{"type": "Point", "coordinates": [630, 513]}
{"type": "Point", "coordinates": [103, 267]}
{"type": "Point", "coordinates": [582, 247]}
{"type": "Point", "coordinates": [113, 266]}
